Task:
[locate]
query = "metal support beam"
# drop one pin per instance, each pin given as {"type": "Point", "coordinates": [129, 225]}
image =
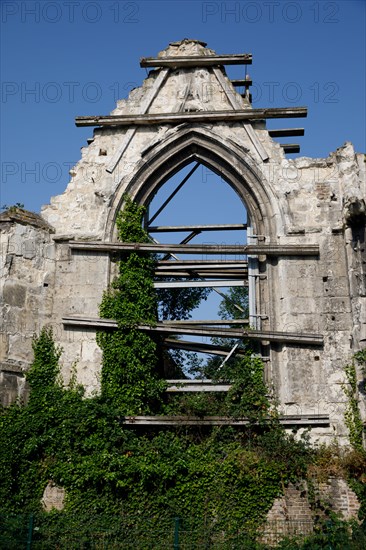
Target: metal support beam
{"type": "Point", "coordinates": [182, 228]}
{"type": "Point", "coordinates": [197, 60]}
{"type": "Point", "coordinates": [204, 249]}
{"type": "Point", "coordinates": [230, 354]}
{"type": "Point", "coordinates": [172, 195]}
{"type": "Point", "coordinates": [199, 347]}
{"type": "Point", "coordinates": [193, 116]}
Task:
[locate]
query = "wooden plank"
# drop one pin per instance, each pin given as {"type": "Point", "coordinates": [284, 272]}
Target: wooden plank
{"type": "Point", "coordinates": [290, 147]}
{"type": "Point", "coordinates": [182, 228]}
{"type": "Point", "coordinates": [204, 274]}
{"type": "Point", "coordinates": [196, 386]}
{"type": "Point", "coordinates": [287, 421]}
{"type": "Point", "coordinates": [247, 127]}
{"type": "Point", "coordinates": [270, 336]}
{"type": "Point", "coordinates": [144, 106]}
{"type": "Point", "coordinates": [202, 264]}
{"type": "Point", "coordinates": [239, 83]}
{"type": "Point", "coordinates": [287, 132]}
{"type": "Point", "coordinates": [193, 116]}
{"type": "Point", "coordinates": [204, 249]}
{"type": "Point", "coordinates": [200, 284]}
{"type": "Point", "coordinates": [240, 333]}
{"type": "Point", "coordinates": [197, 60]}
{"type": "Point", "coordinates": [208, 322]}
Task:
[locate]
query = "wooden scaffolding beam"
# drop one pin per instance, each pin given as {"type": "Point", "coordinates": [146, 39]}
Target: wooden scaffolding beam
{"type": "Point", "coordinates": [194, 116]}
{"type": "Point", "coordinates": [237, 249]}
{"type": "Point", "coordinates": [193, 386]}
{"type": "Point", "coordinates": [238, 83]}
{"type": "Point", "coordinates": [286, 421]}
{"type": "Point", "coordinates": [192, 322]}
{"type": "Point", "coordinates": [210, 283]}
{"type": "Point", "coordinates": [197, 60]}
{"type": "Point", "coordinates": [290, 147]}
{"type": "Point", "coordinates": [287, 132]}
{"type": "Point", "coordinates": [183, 228]}
{"type": "Point", "coordinates": [202, 264]}
{"type": "Point", "coordinates": [218, 275]}
{"type": "Point", "coordinates": [162, 328]}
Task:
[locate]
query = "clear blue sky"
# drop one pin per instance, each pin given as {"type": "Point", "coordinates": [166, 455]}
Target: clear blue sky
{"type": "Point", "coordinates": [79, 56]}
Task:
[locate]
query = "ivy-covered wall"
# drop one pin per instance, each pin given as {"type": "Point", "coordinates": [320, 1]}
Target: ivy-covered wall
{"type": "Point", "coordinates": [224, 475]}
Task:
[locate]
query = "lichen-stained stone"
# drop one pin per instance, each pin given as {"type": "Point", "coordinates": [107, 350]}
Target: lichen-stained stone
{"type": "Point", "coordinates": [296, 201]}
{"type": "Point", "coordinates": [14, 294]}
{"type": "Point", "coordinates": [53, 497]}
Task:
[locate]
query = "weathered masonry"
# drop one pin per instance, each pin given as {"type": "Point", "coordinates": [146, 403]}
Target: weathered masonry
{"type": "Point", "coordinates": [303, 260]}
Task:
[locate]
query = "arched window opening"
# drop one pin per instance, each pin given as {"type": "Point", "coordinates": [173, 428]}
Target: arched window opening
{"type": "Point", "coordinates": [208, 296]}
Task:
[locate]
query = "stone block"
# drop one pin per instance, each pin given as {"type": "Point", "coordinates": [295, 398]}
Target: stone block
{"type": "Point", "coordinates": [14, 294]}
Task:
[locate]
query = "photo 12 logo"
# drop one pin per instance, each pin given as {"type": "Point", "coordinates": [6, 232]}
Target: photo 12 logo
{"type": "Point", "coordinates": [70, 11]}
{"type": "Point", "coordinates": [68, 91]}
{"type": "Point", "coordinates": [270, 12]}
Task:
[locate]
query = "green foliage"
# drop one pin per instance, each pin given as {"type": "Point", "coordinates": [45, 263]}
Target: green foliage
{"type": "Point", "coordinates": [177, 303]}
{"type": "Point", "coordinates": [223, 477]}
{"type": "Point", "coordinates": [360, 358]}
{"type": "Point", "coordinates": [130, 357]}
{"type": "Point", "coordinates": [248, 396]}
{"type": "Point", "coordinates": [332, 534]}
{"type": "Point", "coordinates": [235, 304]}
{"type": "Point", "coordinates": [355, 464]}
{"type": "Point", "coordinates": [352, 415]}
{"type": "Point", "coordinates": [43, 373]}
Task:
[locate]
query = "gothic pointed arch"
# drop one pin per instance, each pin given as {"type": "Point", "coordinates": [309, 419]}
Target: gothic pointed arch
{"type": "Point", "coordinates": [233, 163]}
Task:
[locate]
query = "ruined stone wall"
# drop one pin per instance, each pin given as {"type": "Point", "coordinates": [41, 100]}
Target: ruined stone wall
{"type": "Point", "coordinates": [300, 201]}
{"type": "Point", "coordinates": [295, 512]}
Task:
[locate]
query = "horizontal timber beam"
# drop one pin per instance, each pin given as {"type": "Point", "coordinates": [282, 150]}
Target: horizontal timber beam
{"type": "Point", "coordinates": [271, 336]}
{"type": "Point", "coordinates": [201, 264]}
{"type": "Point", "coordinates": [237, 83]}
{"type": "Point", "coordinates": [204, 322]}
{"type": "Point", "coordinates": [178, 228]}
{"type": "Point", "coordinates": [223, 275]}
{"type": "Point", "coordinates": [200, 284]}
{"type": "Point", "coordinates": [290, 147]}
{"type": "Point", "coordinates": [193, 116]}
{"type": "Point", "coordinates": [235, 249]}
{"type": "Point", "coordinates": [287, 132]}
{"type": "Point", "coordinates": [293, 420]}
{"type": "Point", "coordinates": [197, 60]}
{"type": "Point", "coordinates": [196, 386]}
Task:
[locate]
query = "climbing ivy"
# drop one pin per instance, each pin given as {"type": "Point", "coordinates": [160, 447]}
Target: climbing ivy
{"type": "Point", "coordinates": [130, 356]}
{"type": "Point", "coordinates": [352, 415]}
{"type": "Point", "coordinates": [222, 476]}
